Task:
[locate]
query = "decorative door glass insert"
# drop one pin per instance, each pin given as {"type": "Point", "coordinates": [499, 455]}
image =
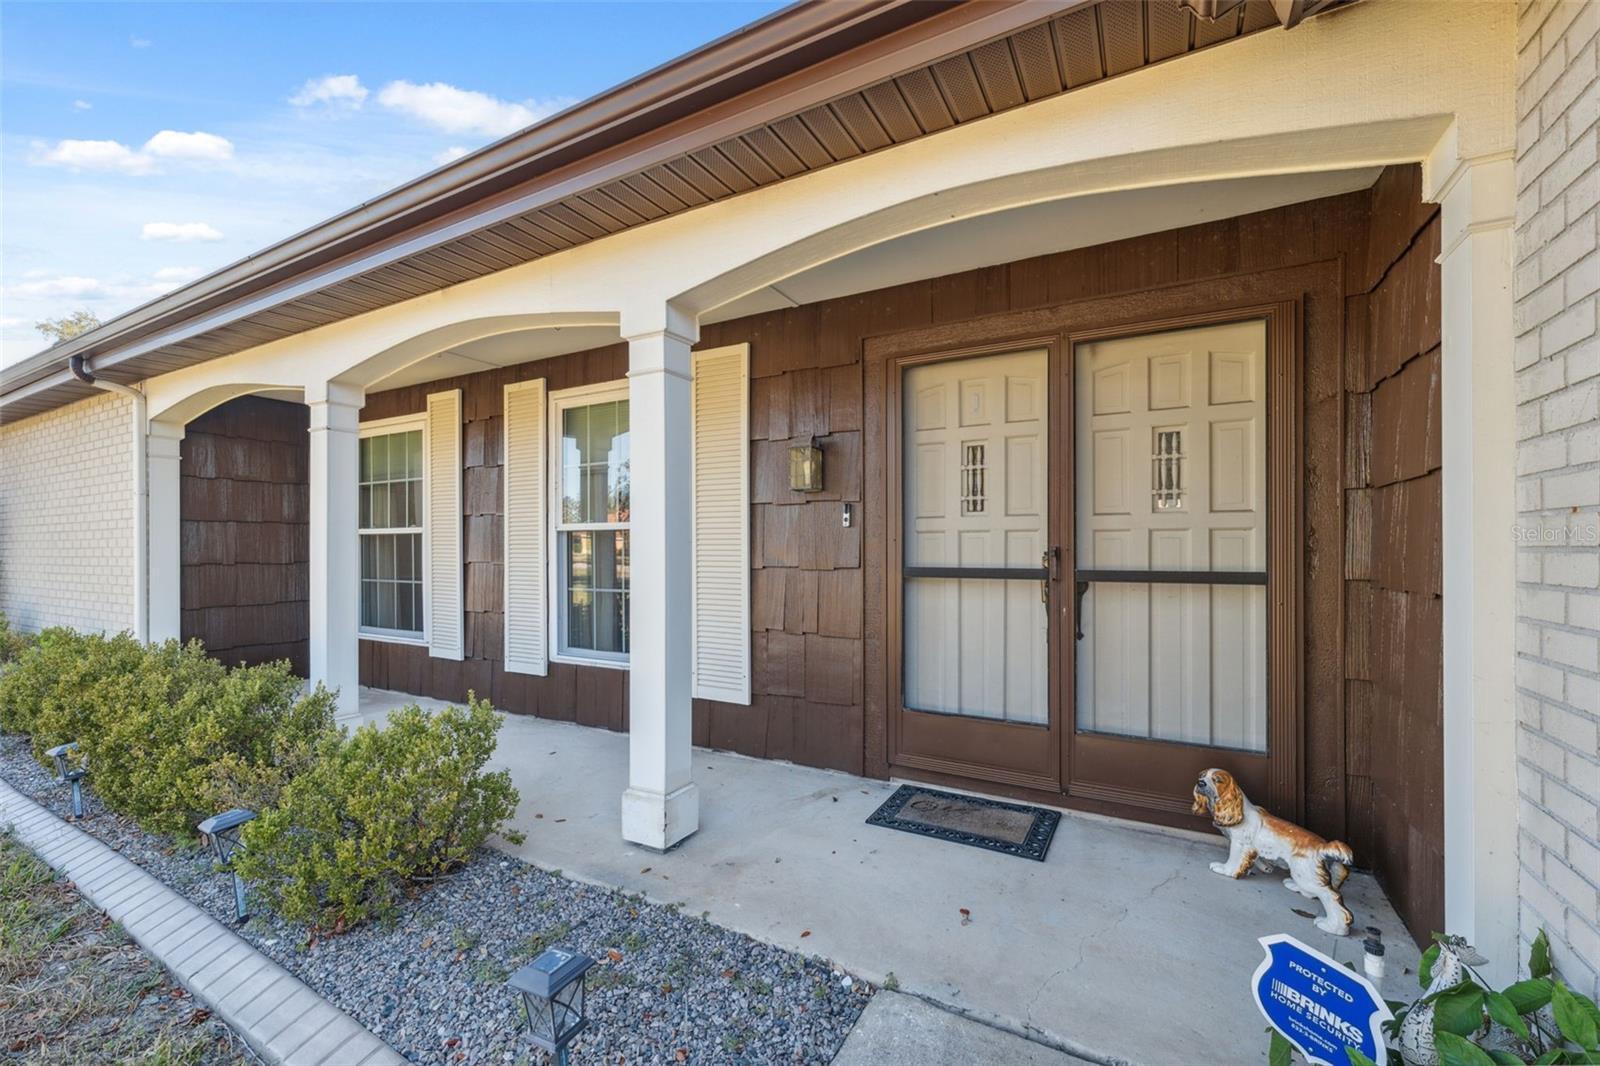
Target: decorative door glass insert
{"type": "Point", "coordinates": [974, 498]}
{"type": "Point", "coordinates": [1167, 490]}
{"type": "Point", "coordinates": [972, 480]}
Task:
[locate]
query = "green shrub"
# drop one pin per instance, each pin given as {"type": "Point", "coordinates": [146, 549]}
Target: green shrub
{"type": "Point", "coordinates": [13, 641]}
{"type": "Point", "coordinates": [377, 811]}
{"type": "Point", "coordinates": [184, 737]}
{"type": "Point", "coordinates": [135, 747]}
{"type": "Point", "coordinates": [51, 691]}
{"type": "Point", "coordinates": [268, 732]}
{"type": "Point", "coordinates": [169, 734]}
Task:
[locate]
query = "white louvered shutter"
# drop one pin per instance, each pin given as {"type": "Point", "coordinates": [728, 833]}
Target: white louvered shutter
{"type": "Point", "coordinates": [722, 524]}
{"type": "Point", "coordinates": [445, 608]}
{"type": "Point", "coordinates": [527, 651]}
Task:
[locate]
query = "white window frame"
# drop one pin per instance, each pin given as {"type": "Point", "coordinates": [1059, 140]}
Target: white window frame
{"type": "Point", "coordinates": [384, 427]}
{"type": "Point", "coordinates": [563, 400]}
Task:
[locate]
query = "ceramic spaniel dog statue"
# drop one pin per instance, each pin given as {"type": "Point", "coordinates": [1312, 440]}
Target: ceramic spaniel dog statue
{"type": "Point", "coordinates": [1317, 867]}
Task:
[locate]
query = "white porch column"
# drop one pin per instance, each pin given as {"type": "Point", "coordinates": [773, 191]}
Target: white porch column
{"type": "Point", "coordinates": [335, 570]}
{"type": "Point", "coordinates": [661, 806]}
{"type": "Point", "coordinates": [1479, 438]}
{"type": "Point", "coordinates": [165, 574]}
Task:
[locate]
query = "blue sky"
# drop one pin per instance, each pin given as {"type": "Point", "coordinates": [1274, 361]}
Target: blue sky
{"type": "Point", "coordinates": [142, 145]}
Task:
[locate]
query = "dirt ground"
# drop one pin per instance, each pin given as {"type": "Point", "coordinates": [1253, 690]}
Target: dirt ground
{"type": "Point", "coordinates": [74, 988]}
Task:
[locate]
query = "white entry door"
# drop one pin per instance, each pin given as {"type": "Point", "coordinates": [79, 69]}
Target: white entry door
{"type": "Point", "coordinates": [976, 523]}
{"type": "Point", "coordinates": [1172, 536]}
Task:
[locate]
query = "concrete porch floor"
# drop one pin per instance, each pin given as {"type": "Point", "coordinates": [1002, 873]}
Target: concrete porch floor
{"type": "Point", "coordinates": [1121, 946]}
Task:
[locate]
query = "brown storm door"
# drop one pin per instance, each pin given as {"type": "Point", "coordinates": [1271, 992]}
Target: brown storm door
{"type": "Point", "coordinates": [1093, 561]}
{"type": "Point", "coordinates": [972, 515]}
{"type": "Point", "coordinates": [1179, 585]}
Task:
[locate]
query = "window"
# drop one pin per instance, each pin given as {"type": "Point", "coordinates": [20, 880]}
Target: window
{"type": "Point", "coordinates": [589, 427]}
{"type": "Point", "coordinates": [391, 530]}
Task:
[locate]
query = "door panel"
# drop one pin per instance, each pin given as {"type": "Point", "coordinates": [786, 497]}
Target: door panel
{"type": "Point", "coordinates": [1173, 478]}
{"type": "Point", "coordinates": [974, 686]}
{"type": "Point", "coordinates": [975, 449]}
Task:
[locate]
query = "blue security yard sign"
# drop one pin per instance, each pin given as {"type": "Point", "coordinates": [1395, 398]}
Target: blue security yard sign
{"type": "Point", "coordinates": [1321, 1006]}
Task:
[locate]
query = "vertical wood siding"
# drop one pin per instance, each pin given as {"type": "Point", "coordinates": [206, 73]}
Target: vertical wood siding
{"type": "Point", "coordinates": [246, 539]}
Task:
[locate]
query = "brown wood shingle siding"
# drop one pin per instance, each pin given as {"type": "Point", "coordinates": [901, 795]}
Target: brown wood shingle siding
{"type": "Point", "coordinates": [244, 506]}
{"type": "Point", "coordinates": [1393, 608]}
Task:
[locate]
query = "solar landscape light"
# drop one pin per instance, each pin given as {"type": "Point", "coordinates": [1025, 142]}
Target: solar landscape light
{"type": "Point", "coordinates": [552, 995]}
{"type": "Point", "coordinates": [223, 832]}
{"type": "Point", "coordinates": [68, 774]}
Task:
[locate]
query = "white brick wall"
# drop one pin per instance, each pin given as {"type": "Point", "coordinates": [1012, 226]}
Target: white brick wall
{"type": "Point", "coordinates": [66, 517]}
{"type": "Point", "coordinates": [1558, 480]}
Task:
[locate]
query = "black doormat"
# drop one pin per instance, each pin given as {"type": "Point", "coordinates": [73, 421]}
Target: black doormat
{"type": "Point", "coordinates": [1010, 828]}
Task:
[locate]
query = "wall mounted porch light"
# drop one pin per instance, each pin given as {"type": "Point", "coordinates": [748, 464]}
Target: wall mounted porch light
{"type": "Point", "coordinates": [805, 466]}
{"type": "Point", "coordinates": [552, 988]}
{"type": "Point", "coordinates": [223, 832]}
{"type": "Point", "coordinates": [68, 774]}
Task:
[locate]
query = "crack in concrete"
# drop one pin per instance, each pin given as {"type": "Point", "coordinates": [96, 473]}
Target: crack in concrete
{"type": "Point", "coordinates": [1042, 986]}
{"type": "Point", "coordinates": [1118, 920]}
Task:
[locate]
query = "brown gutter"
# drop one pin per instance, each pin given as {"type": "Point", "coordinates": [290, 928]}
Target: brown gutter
{"type": "Point", "coordinates": [801, 56]}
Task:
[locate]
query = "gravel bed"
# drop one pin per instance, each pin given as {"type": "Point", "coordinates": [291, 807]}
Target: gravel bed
{"type": "Point", "coordinates": [669, 987]}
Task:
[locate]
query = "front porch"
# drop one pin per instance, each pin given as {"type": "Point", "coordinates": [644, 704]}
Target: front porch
{"type": "Point", "coordinates": [1122, 922]}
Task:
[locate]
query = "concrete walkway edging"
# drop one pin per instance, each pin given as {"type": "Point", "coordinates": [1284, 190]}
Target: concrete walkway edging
{"type": "Point", "coordinates": [271, 1009]}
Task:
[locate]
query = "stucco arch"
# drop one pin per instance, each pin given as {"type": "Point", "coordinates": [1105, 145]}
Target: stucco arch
{"type": "Point", "coordinates": [396, 357]}
{"type": "Point", "coordinates": [357, 353]}
{"type": "Point", "coordinates": [177, 412]}
{"type": "Point", "coordinates": [886, 218]}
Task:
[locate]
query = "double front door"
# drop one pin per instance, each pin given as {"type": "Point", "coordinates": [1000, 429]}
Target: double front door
{"type": "Point", "coordinates": [1082, 564]}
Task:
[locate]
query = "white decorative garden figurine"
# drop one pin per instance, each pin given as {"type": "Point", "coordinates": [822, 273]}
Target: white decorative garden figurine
{"type": "Point", "coordinates": [1317, 867]}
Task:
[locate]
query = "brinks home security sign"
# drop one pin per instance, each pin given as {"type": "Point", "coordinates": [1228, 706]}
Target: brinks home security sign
{"type": "Point", "coordinates": [1322, 1007]}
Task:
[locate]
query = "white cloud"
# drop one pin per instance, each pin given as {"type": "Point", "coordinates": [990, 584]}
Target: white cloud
{"type": "Point", "coordinates": [139, 42]}
{"type": "Point", "coordinates": [119, 158]}
{"type": "Point", "coordinates": [81, 105]}
{"type": "Point", "coordinates": [170, 144]}
{"type": "Point", "coordinates": [335, 90]}
{"type": "Point", "coordinates": [92, 155]}
{"type": "Point", "coordinates": [181, 232]}
{"type": "Point", "coordinates": [456, 110]}
{"type": "Point", "coordinates": [450, 155]}
{"type": "Point", "coordinates": [66, 285]}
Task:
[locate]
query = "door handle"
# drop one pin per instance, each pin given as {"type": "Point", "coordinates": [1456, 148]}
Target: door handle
{"type": "Point", "coordinates": [1077, 611]}
{"type": "Point", "coordinates": [1048, 560]}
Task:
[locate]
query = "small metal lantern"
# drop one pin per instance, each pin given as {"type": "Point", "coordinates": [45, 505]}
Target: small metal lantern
{"type": "Point", "coordinates": [68, 774]}
{"type": "Point", "coordinates": [552, 993]}
{"type": "Point", "coordinates": [805, 466]}
{"type": "Point", "coordinates": [223, 832]}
